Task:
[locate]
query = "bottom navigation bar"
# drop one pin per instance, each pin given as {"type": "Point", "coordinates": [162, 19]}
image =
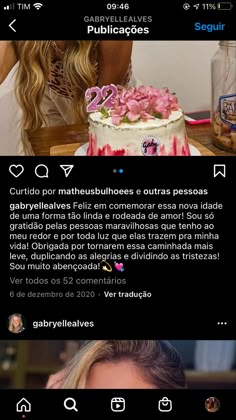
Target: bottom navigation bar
{"type": "Point", "coordinates": [152, 403]}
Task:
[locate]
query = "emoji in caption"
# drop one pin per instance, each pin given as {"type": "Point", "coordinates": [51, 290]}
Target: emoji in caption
{"type": "Point", "coordinates": [119, 266]}
{"type": "Point", "coordinates": [105, 266]}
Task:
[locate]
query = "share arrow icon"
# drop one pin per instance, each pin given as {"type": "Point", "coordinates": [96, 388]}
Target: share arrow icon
{"type": "Point", "coordinates": [67, 169]}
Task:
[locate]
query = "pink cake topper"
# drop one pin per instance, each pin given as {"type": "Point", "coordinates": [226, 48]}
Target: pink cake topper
{"type": "Point", "coordinates": [98, 98]}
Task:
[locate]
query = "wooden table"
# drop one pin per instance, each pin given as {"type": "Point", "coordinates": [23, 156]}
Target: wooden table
{"type": "Point", "coordinates": [63, 141]}
{"type": "Point", "coordinates": [203, 135]}
{"type": "Point", "coordinates": [43, 139]}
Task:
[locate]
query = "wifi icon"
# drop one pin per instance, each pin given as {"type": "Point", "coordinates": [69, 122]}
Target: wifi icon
{"type": "Point", "coordinates": [38, 5]}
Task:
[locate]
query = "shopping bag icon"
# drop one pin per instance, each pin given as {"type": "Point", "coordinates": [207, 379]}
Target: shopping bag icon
{"type": "Point", "coordinates": [165, 405]}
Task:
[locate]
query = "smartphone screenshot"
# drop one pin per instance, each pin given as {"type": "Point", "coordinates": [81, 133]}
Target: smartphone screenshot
{"type": "Point", "coordinates": [117, 151]}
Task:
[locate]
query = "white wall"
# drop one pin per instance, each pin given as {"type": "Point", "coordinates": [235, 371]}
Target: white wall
{"type": "Point", "coordinates": [182, 66]}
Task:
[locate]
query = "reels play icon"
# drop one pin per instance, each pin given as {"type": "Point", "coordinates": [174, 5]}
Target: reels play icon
{"type": "Point", "coordinates": [117, 404]}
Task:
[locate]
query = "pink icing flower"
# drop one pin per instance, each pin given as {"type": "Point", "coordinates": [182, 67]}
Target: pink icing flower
{"type": "Point", "coordinates": [116, 119]}
{"type": "Point", "coordinates": [142, 103]}
{"type": "Point", "coordinates": [134, 110]}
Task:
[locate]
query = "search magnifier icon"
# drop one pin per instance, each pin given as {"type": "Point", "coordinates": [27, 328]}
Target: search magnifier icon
{"type": "Point", "coordinates": [70, 404]}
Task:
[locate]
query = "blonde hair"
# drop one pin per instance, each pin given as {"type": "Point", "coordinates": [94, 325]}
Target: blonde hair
{"type": "Point", "coordinates": [159, 363]}
{"type": "Point", "coordinates": [79, 66]}
{"type": "Point", "coordinates": [11, 327]}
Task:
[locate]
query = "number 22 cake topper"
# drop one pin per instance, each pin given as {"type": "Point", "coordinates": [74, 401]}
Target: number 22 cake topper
{"type": "Point", "coordinates": [104, 97]}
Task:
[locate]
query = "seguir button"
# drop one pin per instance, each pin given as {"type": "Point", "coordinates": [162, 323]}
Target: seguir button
{"type": "Point", "coordinates": [209, 27]}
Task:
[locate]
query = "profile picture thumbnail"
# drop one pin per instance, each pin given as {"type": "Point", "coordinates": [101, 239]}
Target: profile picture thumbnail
{"type": "Point", "coordinates": [212, 404]}
{"type": "Point", "coordinates": [16, 323]}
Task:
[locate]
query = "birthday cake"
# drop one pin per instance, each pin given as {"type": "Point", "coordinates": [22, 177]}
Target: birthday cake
{"type": "Point", "coordinates": [142, 121]}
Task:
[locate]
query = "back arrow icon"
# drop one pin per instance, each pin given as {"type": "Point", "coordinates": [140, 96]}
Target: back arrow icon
{"type": "Point", "coordinates": [10, 25]}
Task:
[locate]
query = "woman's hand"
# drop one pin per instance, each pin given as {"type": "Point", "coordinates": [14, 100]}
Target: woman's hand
{"type": "Point", "coordinates": [114, 60]}
{"type": "Point", "coordinates": [7, 59]}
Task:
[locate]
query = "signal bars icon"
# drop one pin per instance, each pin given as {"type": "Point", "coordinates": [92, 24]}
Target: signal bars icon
{"type": "Point", "coordinates": [9, 7]}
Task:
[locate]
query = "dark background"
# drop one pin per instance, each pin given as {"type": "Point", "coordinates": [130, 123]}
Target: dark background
{"type": "Point", "coordinates": [188, 298]}
{"type": "Point", "coordinates": [66, 20]}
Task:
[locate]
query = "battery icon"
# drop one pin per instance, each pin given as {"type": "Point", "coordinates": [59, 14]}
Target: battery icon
{"type": "Point", "coordinates": [224, 5]}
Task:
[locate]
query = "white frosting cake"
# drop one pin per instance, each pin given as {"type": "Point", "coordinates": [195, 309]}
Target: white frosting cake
{"type": "Point", "coordinates": [159, 137]}
{"type": "Point", "coordinates": [141, 121]}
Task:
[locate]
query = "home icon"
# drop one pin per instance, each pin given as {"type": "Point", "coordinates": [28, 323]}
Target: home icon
{"type": "Point", "coordinates": [23, 406]}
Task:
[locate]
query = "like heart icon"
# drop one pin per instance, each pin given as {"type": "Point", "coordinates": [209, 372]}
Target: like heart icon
{"type": "Point", "coordinates": [16, 170]}
{"type": "Point", "coordinates": [119, 266]}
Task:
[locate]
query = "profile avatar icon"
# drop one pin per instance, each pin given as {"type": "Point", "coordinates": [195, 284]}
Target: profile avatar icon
{"type": "Point", "coordinates": [212, 404]}
{"type": "Point", "coordinates": [16, 323]}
